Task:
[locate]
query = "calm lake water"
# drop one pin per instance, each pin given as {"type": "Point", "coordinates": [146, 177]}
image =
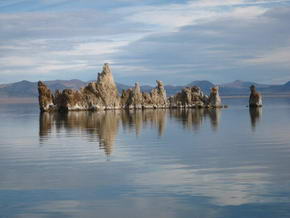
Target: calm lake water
{"type": "Point", "coordinates": [155, 163]}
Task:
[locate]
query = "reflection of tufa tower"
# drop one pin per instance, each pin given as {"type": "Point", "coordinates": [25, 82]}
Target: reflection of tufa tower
{"type": "Point", "coordinates": [107, 126]}
{"type": "Point", "coordinates": [214, 115]}
{"type": "Point", "coordinates": [194, 118]}
{"type": "Point", "coordinates": [103, 125]}
{"type": "Point", "coordinates": [156, 118]}
{"type": "Point", "coordinates": [255, 115]}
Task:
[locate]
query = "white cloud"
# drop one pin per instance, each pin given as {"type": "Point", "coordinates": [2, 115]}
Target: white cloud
{"type": "Point", "coordinates": [46, 68]}
{"type": "Point", "coordinates": [218, 49]}
{"type": "Point", "coordinates": [93, 48]}
{"type": "Point", "coordinates": [17, 61]}
{"type": "Point", "coordinates": [171, 16]}
{"type": "Point", "coordinates": [137, 39]}
{"type": "Point", "coordinates": [280, 56]}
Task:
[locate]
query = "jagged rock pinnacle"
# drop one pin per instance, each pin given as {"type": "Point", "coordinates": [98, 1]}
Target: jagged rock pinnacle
{"type": "Point", "coordinates": [103, 95]}
{"type": "Point", "coordinates": [255, 99]}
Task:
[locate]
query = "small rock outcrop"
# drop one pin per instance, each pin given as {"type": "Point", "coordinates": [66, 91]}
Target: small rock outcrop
{"type": "Point", "coordinates": [106, 89]}
{"type": "Point", "coordinates": [189, 97]}
{"type": "Point", "coordinates": [158, 95]}
{"type": "Point", "coordinates": [214, 98]}
{"type": "Point", "coordinates": [46, 99]}
{"type": "Point", "coordinates": [103, 95]}
{"type": "Point", "coordinates": [132, 98]}
{"type": "Point", "coordinates": [255, 99]}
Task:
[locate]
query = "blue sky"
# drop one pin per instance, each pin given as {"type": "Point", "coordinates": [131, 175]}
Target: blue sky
{"type": "Point", "coordinates": [173, 41]}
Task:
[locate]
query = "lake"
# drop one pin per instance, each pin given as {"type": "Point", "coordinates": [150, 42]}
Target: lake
{"type": "Point", "coordinates": [223, 163]}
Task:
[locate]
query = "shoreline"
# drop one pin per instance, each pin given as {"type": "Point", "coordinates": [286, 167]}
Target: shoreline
{"type": "Point", "coordinates": [34, 100]}
{"type": "Point", "coordinates": [263, 95]}
{"type": "Point", "coordinates": [18, 100]}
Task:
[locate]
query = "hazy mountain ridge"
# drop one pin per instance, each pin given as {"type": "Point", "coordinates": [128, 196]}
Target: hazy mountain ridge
{"type": "Point", "coordinates": [239, 87]}
{"type": "Point", "coordinates": [26, 88]}
{"type": "Point", "coordinates": [29, 89]}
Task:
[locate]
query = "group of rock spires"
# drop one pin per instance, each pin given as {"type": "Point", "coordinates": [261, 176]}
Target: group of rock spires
{"type": "Point", "coordinates": [103, 95]}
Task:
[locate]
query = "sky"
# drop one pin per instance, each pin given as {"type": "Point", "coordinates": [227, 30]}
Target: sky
{"type": "Point", "coordinates": [176, 41]}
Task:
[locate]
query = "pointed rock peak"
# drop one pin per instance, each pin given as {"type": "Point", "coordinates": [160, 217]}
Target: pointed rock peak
{"type": "Point", "coordinates": [253, 88]}
{"type": "Point", "coordinates": [40, 83]}
{"type": "Point", "coordinates": [215, 89]}
{"type": "Point", "coordinates": [137, 86]}
{"type": "Point", "coordinates": [106, 75]}
{"type": "Point", "coordinates": [107, 69]}
{"type": "Point", "coordinates": [159, 84]}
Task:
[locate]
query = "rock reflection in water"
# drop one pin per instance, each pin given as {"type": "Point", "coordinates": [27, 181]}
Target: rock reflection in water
{"type": "Point", "coordinates": [194, 118]}
{"type": "Point", "coordinates": [104, 126]}
{"type": "Point", "coordinates": [137, 119]}
{"type": "Point", "coordinates": [255, 115]}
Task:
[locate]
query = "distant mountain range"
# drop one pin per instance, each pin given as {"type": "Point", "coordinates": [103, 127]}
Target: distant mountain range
{"type": "Point", "coordinates": [29, 89]}
{"type": "Point", "coordinates": [239, 87]}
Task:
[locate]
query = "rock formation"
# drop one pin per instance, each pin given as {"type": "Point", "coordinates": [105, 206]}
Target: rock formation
{"type": "Point", "coordinates": [132, 98]}
{"type": "Point", "coordinates": [189, 97]}
{"type": "Point", "coordinates": [158, 95]}
{"type": "Point", "coordinates": [255, 99]}
{"type": "Point", "coordinates": [106, 89]}
{"type": "Point", "coordinates": [214, 98]}
{"type": "Point", "coordinates": [46, 100]}
{"type": "Point", "coordinates": [103, 95]}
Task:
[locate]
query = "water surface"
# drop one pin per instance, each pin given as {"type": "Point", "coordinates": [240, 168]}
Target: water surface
{"type": "Point", "coordinates": [156, 163]}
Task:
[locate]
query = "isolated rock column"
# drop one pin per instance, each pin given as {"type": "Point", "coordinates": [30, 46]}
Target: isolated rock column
{"type": "Point", "coordinates": [255, 99]}
{"type": "Point", "coordinates": [46, 99]}
{"type": "Point", "coordinates": [137, 98]}
{"type": "Point", "coordinates": [214, 98]}
{"type": "Point", "coordinates": [158, 95]}
{"type": "Point", "coordinates": [106, 88]}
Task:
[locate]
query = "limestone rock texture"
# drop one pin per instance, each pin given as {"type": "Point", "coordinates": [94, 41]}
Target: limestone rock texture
{"type": "Point", "coordinates": [214, 98]}
{"type": "Point", "coordinates": [106, 89]}
{"type": "Point", "coordinates": [255, 99]}
{"type": "Point", "coordinates": [46, 99]}
{"type": "Point", "coordinates": [99, 95]}
{"type": "Point", "coordinates": [189, 97]}
{"type": "Point", "coordinates": [158, 95]}
{"type": "Point", "coordinates": [132, 98]}
{"type": "Point", "coordinates": [103, 95]}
